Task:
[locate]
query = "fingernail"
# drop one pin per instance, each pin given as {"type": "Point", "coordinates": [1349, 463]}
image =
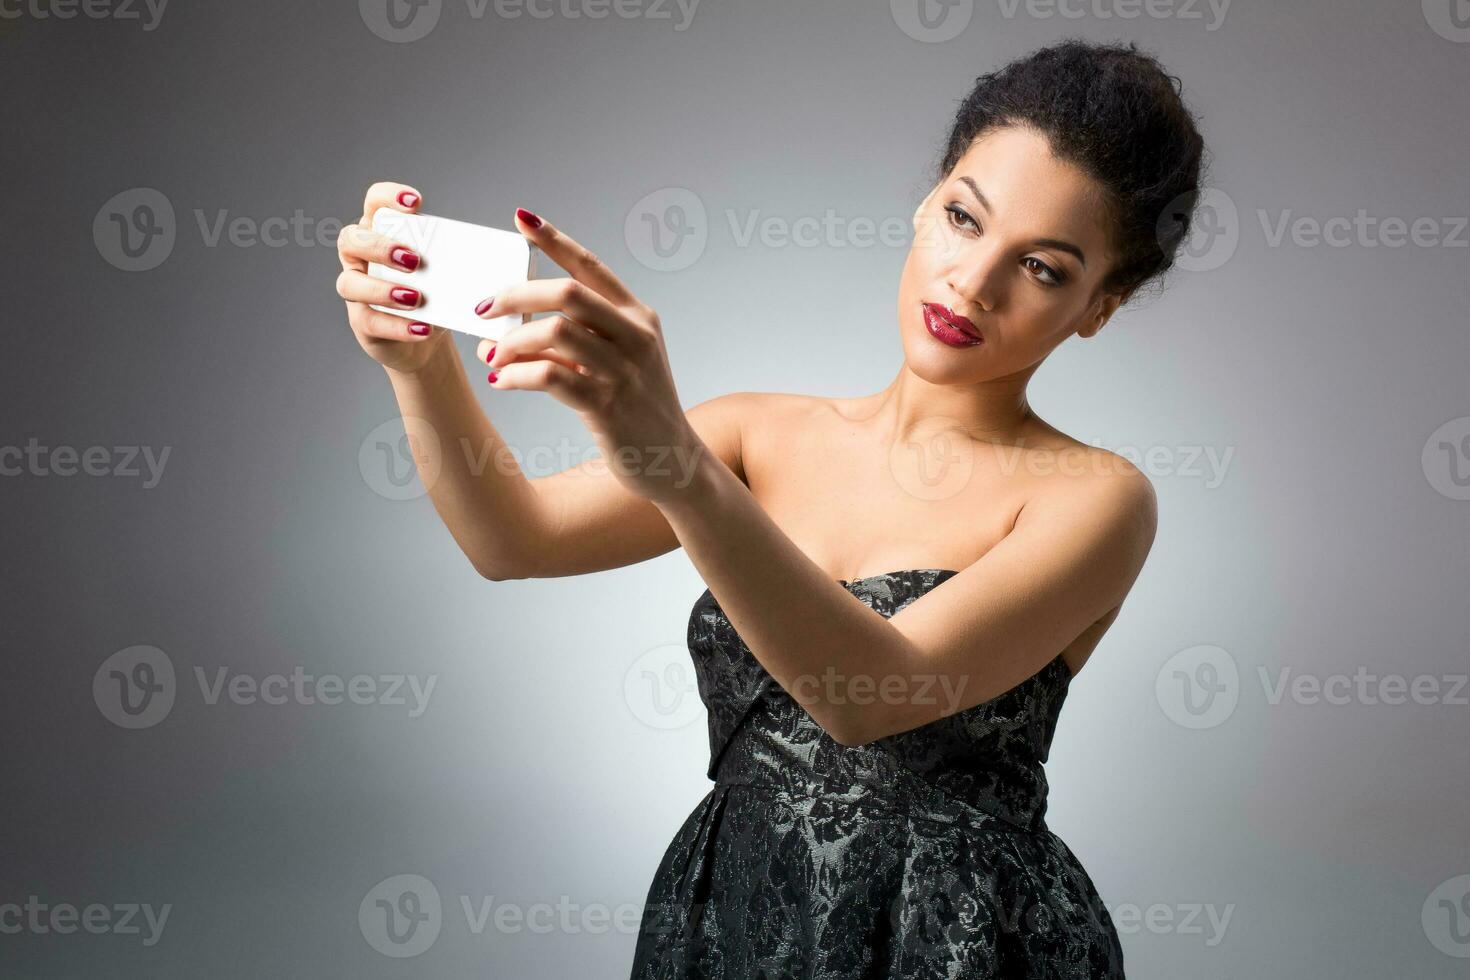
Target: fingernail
{"type": "Point", "coordinates": [528, 217]}
{"type": "Point", "coordinates": [405, 296]}
{"type": "Point", "coordinates": [408, 199]}
{"type": "Point", "coordinates": [492, 376]}
{"type": "Point", "coordinates": [490, 356]}
{"type": "Point", "coordinates": [419, 329]}
{"type": "Point", "coordinates": [404, 258]}
{"type": "Point", "coordinates": [484, 306]}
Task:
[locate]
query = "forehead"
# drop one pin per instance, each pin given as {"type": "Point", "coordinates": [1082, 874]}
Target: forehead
{"type": "Point", "coordinates": [1032, 192]}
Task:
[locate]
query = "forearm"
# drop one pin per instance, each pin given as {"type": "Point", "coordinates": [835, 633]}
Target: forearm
{"type": "Point", "coordinates": [826, 648]}
{"type": "Point", "coordinates": [476, 484]}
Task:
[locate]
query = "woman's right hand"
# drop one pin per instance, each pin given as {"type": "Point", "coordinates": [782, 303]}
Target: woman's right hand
{"type": "Point", "coordinates": [399, 343]}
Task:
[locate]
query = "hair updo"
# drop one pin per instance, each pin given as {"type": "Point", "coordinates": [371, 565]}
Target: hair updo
{"type": "Point", "coordinates": [1114, 112]}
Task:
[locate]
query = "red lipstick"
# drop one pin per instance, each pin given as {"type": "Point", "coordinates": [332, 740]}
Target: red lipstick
{"type": "Point", "coordinates": [950, 328]}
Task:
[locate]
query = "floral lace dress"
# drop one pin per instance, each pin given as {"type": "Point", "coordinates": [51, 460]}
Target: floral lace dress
{"type": "Point", "coordinates": [922, 854]}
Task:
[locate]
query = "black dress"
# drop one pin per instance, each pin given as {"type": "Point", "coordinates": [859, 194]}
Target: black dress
{"type": "Point", "coordinates": [922, 854]}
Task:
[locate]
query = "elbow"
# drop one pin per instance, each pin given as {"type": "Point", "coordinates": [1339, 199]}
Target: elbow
{"type": "Point", "coordinates": [846, 739]}
{"type": "Point", "coordinates": [498, 571]}
{"type": "Point", "coordinates": [847, 732]}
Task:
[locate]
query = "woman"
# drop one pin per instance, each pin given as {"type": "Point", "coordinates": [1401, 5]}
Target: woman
{"type": "Point", "coordinates": [877, 739]}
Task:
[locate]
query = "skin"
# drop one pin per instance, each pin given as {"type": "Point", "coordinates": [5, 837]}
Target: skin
{"type": "Point", "coordinates": [776, 497]}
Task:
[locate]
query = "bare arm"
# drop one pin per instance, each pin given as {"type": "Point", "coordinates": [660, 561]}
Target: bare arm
{"type": "Point", "coordinates": [1065, 567]}
{"type": "Point", "coordinates": [569, 523]}
{"type": "Point", "coordinates": [579, 520]}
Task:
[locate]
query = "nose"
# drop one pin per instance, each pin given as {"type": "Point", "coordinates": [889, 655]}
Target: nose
{"type": "Point", "coordinates": [978, 273]}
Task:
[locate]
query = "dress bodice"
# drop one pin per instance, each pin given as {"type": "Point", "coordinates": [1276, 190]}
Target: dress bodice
{"type": "Point", "coordinates": [984, 761]}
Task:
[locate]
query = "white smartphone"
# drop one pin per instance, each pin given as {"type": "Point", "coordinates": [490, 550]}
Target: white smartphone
{"type": "Point", "coordinates": [461, 264]}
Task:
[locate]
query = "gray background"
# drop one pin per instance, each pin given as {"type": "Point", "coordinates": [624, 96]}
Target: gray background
{"type": "Point", "coordinates": [546, 768]}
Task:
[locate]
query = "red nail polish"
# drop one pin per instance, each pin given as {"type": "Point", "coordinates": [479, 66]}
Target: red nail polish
{"type": "Point", "coordinates": [484, 306]}
{"type": "Point", "coordinates": [490, 356]}
{"type": "Point", "coordinates": [405, 296]}
{"type": "Point", "coordinates": [408, 199]}
{"type": "Point", "coordinates": [403, 257]}
{"type": "Point", "coordinates": [528, 217]}
{"type": "Point", "coordinates": [419, 329]}
{"type": "Point", "coordinates": [492, 376]}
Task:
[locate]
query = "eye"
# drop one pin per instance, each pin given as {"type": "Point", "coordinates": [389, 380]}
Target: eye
{"type": "Point", "coordinates": [957, 215]}
{"type": "Point", "coordinates": [1052, 277]}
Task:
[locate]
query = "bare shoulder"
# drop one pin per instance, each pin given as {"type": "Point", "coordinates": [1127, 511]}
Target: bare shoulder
{"type": "Point", "coordinates": [732, 423]}
{"type": "Point", "coordinates": [1101, 484]}
{"type": "Point", "coordinates": [753, 409]}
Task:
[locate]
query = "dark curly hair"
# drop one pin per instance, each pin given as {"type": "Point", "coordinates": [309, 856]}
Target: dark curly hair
{"type": "Point", "coordinates": [1114, 112]}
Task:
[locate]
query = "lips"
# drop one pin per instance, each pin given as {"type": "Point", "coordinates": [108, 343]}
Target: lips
{"type": "Point", "coordinates": [960, 323]}
{"type": "Point", "coordinates": [950, 329]}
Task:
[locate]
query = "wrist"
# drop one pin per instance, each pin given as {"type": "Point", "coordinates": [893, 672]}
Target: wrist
{"type": "Point", "coordinates": [433, 369]}
{"type": "Point", "coordinates": [698, 479]}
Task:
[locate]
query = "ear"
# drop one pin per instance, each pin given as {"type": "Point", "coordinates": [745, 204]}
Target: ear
{"type": "Point", "coordinates": [1106, 306]}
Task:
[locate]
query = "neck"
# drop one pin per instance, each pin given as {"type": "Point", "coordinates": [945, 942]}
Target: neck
{"type": "Point", "coordinates": [990, 411]}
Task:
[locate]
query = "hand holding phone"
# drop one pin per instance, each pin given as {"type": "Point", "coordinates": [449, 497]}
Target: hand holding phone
{"type": "Point", "coordinates": [461, 264]}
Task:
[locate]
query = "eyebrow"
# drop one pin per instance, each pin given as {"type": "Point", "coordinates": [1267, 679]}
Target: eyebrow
{"type": "Point", "coordinates": [1055, 243]}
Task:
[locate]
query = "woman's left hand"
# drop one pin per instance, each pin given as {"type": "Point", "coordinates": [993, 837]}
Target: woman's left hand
{"type": "Point", "coordinates": [604, 356]}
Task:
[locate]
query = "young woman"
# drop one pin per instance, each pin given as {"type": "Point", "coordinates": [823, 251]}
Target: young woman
{"type": "Point", "coordinates": [883, 652]}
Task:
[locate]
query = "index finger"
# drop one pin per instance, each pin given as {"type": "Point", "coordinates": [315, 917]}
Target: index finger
{"type": "Point", "coordinates": [578, 260]}
{"type": "Point", "coordinates": [387, 194]}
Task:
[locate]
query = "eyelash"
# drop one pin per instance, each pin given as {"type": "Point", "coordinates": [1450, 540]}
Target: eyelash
{"type": "Point", "coordinates": [956, 211]}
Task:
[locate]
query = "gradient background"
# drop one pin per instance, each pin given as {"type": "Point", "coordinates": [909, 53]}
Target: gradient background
{"type": "Point", "coordinates": [563, 743]}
